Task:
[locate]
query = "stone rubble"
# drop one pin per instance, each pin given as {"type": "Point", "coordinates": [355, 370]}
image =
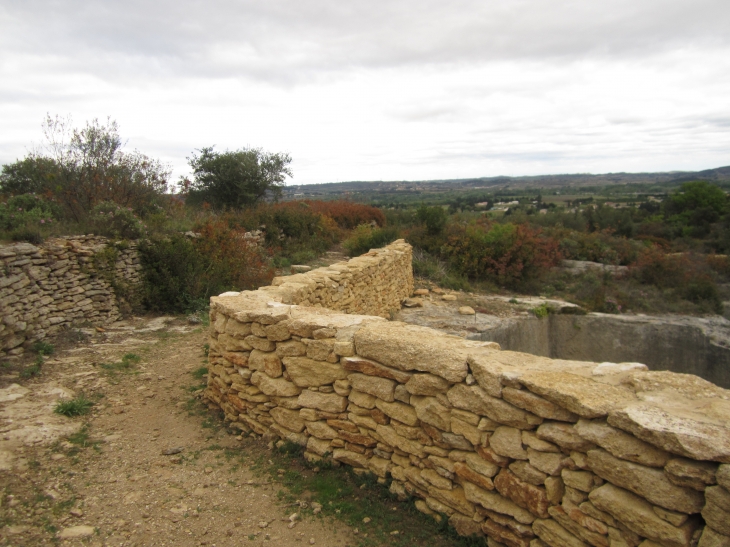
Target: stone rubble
{"type": "Point", "coordinates": [46, 288]}
{"type": "Point", "coordinates": [525, 450]}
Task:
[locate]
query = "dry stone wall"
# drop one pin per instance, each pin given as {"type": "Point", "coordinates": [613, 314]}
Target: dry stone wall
{"type": "Point", "coordinates": [62, 282]}
{"type": "Point", "coordinates": [523, 450]}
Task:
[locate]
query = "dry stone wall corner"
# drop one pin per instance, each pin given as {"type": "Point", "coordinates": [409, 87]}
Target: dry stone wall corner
{"type": "Point", "coordinates": [525, 450]}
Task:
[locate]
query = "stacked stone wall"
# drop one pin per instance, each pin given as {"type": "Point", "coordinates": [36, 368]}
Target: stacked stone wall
{"type": "Point", "coordinates": [520, 449]}
{"type": "Point", "coordinates": [63, 282]}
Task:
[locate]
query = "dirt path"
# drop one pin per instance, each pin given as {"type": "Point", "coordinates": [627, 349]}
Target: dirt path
{"type": "Point", "coordinates": [109, 482]}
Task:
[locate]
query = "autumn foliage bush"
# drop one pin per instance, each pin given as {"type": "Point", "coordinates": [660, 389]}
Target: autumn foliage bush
{"type": "Point", "coordinates": [507, 254]}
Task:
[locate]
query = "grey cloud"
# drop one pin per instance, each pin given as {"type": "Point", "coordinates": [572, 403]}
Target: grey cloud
{"type": "Point", "coordinates": [290, 40]}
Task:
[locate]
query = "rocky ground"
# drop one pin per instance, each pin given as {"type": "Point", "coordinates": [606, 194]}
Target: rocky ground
{"type": "Point", "coordinates": [148, 465]}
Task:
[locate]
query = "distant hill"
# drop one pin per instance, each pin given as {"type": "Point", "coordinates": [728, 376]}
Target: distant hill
{"type": "Point", "coordinates": [720, 174]}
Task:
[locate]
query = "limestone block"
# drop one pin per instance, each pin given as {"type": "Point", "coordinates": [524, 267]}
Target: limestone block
{"type": "Point", "coordinates": [456, 441]}
{"type": "Point", "coordinates": [409, 347]}
{"type": "Point", "coordinates": [401, 394]}
{"type": "Point", "coordinates": [528, 496]}
{"type": "Point", "coordinates": [229, 343]}
{"type": "Point", "coordinates": [507, 441]}
{"type": "Point", "coordinates": [648, 482]}
{"type": "Point", "coordinates": [637, 515]}
{"type": "Point", "coordinates": [528, 473]}
{"type": "Point", "coordinates": [320, 349]}
{"type": "Point", "coordinates": [697, 435]}
{"type": "Point", "coordinates": [677, 519]}
{"type": "Point", "coordinates": [363, 421]}
{"type": "Point", "coordinates": [454, 498]}
{"type": "Point", "coordinates": [580, 395]}
{"type": "Point", "coordinates": [468, 431]}
{"type": "Point", "coordinates": [255, 342]}
{"type": "Point", "coordinates": [504, 534]}
{"type": "Point", "coordinates": [265, 362]}
{"type": "Point", "coordinates": [362, 399]}
{"type": "Point", "coordinates": [288, 419]}
{"type": "Point", "coordinates": [433, 478]}
{"type": "Point", "coordinates": [350, 458]}
{"type": "Point", "coordinates": [711, 538]}
{"type": "Point", "coordinates": [475, 399]}
{"type": "Point", "coordinates": [690, 473]}
{"type": "Point", "coordinates": [382, 388]}
{"type": "Point", "coordinates": [593, 538]}
{"type": "Point", "coordinates": [379, 466]}
{"type": "Point", "coordinates": [717, 509]}
{"type": "Point", "coordinates": [389, 436]}
{"type": "Point", "coordinates": [564, 435]}
{"type": "Point", "coordinates": [430, 411]}
{"type": "Point", "coordinates": [320, 447]}
{"type": "Point", "coordinates": [620, 444]}
{"type": "Point", "coordinates": [344, 349]}
{"type": "Point", "coordinates": [555, 489]}
{"type": "Point", "coordinates": [555, 535]}
{"type": "Point", "coordinates": [306, 372]}
{"type": "Point", "coordinates": [580, 480]}
{"type": "Point", "coordinates": [372, 368]}
{"type": "Point", "coordinates": [527, 400]}
{"type": "Point", "coordinates": [329, 402]}
{"type": "Point", "coordinates": [465, 472]}
{"type": "Point", "coordinates": [494, 501]}
{"type": "Point", "coordinates": [531, 440]}
{"type": "Point", "coordinates": [321, 430]}
{"type": "Point", "coordinates": [398, 411]}
{"type": "Point", "coordinates": [426, 384]}
{"type": "Point", "coordinates": [723, 476]}
{"type": "Point", "coordinates": [277, 332]}
{"type": "Point", "coordinates": [291, 348]}
{"type": "Point", "coordinates": [480, 465]}
{"type": "Point", "coordinates": [465, 526]}
{"type": "Point", "coordinates": [276, 387]}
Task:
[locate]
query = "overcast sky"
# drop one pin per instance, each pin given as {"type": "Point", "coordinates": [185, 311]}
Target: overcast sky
{"type": "Point", "coordinates": [381, 90]}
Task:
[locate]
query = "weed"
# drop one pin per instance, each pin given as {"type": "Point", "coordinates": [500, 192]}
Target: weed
{"type": "Point", "coordinates": [74, 407]}
{"type": "Point", "coordinates": [200, 372]}
{"type": "Point", "coordinates": [81, 437]}
{"type": "Point", "coordinates": [43, 348]}
{"type": "Point", "coordinates": [126, 364]}
{"type": "Point", "coordinates": [542, 311]}
{"type": "Point", "coordinates": [31, 370]}
{"type": "Point", "coordinates": [206, 349]}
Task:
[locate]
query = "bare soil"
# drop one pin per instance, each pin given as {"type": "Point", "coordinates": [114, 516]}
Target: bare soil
{"type": "Point", "coordinates": [108, 470]}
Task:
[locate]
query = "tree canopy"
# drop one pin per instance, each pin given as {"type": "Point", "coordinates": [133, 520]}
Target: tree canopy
{"type": "Point", "coordinates": [238, 178]}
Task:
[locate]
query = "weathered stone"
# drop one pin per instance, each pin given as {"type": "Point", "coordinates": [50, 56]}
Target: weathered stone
{"type": "Point", "coordinates": [723, 476]}
{"type": "Point", "coordinates": [672, 517]}
{"type": "Point", "coordinates": [491, 456]}
{"type": "Point", "coordinates": [426, 384]}
{"type": "Point", "coordinates": [350, 458]}
{"type": "Point", "coordinates": [528, 496]}
{"type": "Point", "coordinates": [329, 402]}
{"type": "Point", "coordinates": [555, 535]}
{"type": "Point", "coordinates": [388, 436]}
{"type": "Point", "coordinates": [361, 399]}
{"type": "Point", "coordinates": [401, 394]}
{"type": "Point", "coordinates": [504, 535]}
{"type": "Point", "coordinates": [494, 501]}
{"type": "Point", "coordinates": [693, 435]}
{"type": "Point", "coordinates": [320, 447]}
{"type": "Point", "coordinates": [238, 358]}
{"type": "Point", "coordinates": [276, 387]}
{"type": "Point", "coordinates": [229, 343]}
{"type": "Point", "coordinates": [580, 395]}
{"type": "Point", "coordinates": [431, 411]}
{"type": "Point", "coordinates": [711, 538]}
{"type": "Point", "coordinates": [265, 362]}
{"type": "Point", "coordinates": [320, 350]}
{"type": "Point", "coordinates": [555, 489]}
{"type": "Point", "coordinates": [467, 473]}
{"type": "Point", "coordinates": [289, 419]}
{"type": "Point", "coordinates": [291, 348]}
{"type": "Point", "coordinates": [398, 411]}
{"type": "Point", "coordinates": [74, 532]}
{"type": "Point", "coordinates": [717, 509]}
{"type": "Point", "coordinates": [528, 473]}
{"type": "Point", "coordinates": [382, 388]}
{"type": "Point", "coordinates": [363, 421]}
{"type": "Point", "coordinates": [277, 332]}
{"type": "Point", "coordinates": [371, 368]}
{"type": "Point", "coordinates": [475, 399]}
{"type": "Point", "coordinates": [620, 444]}
{"type": "Point", "coordinates": [530, 439]}
{"type": "Point", "coordinates": [321, 430]}
{"type": "Point", "coordinates": [480, 465]}
{"type": "Point", "coordinates": [638, 515]}
{"type": "Point", "coordinates": [507, 441]}
{"type": "Point", "coordinates": [454, 498]}
{"type": "Point", "coordinates": [408, 347]}
{"type": "Point", "coordinates": [379, 416]}
{"type": "Point", "coordinates": [306, 372]}
{"type": "Point", "coordinates": [561, 517]}
{"type": "Point", "coordinates": [551, 463]}
{"type": "Point", "coordinates": [650, 483]}
{"type": "Point", "coordinates": [468, 431]}
{"type": "Point", "coordinates": [356, 438]}
{"type": "Point", "coordinates": [237, 329]}
{"type": "Point", "coordinates": [692, 474]}
{"type": "Point", "coordinates": [255, 342]}
{"type": "Point", "coordinates": [465, 526]}
{"type": "Point", "coordinates": [580, 480]}
{"type": "Point", "coordinates": [433, 478]}
{"type": "Point", "coordinates": [527, 400]}
{"type": "Point", "coordinates": [564, 435]}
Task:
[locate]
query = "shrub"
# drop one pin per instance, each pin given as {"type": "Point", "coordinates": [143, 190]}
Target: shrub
{"type": "Point", "coordinates": [504, 253]}
{"type": "Point", "coordinates": [111, 220]}
{"type": "Point", "coordinates": [74, 407]}
{"type": "Point", "coordinates": [434, 218]}
{"type": "Point", "coordinates": [601, 247]}
{"type": "Point", "coordinates": [27, 212]}
{"type": "Point", "coordinates": [365, 237]}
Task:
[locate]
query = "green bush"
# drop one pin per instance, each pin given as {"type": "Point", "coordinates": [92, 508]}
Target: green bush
{"type": "Point", "coordinates": [365, 237]}
{"type": "Point", "coordinates": [74, 407]}
{"type": "Point", "coordinates": [23, 217]}
{"type": "Point", "coordinates": [111, 220]}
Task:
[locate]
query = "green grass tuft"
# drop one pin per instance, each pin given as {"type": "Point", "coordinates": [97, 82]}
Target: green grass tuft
{"type": "Point", "coordinates": [74, 407]}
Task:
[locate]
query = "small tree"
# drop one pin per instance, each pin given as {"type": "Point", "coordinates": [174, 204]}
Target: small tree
{"type": "Point", "coordinates": [236, 179]}
{"type": "Point", "coordinates": [81, 168]}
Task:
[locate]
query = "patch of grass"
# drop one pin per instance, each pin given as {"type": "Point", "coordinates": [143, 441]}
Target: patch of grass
{"type": "Point", "coordinates": [200, 372]}
{"type": "Point", "coordinates": [542, 311]}
{"type": "Point", "coordinates": [81, 437]}
{"type": "Point", "coordinates": [31, 371]}
{"type": "Point", "coordinates": [129, 360]}
{"type": "Point", "coordinates": [74, 407]}
{"type": "Point", "coordinates": [43, 348]}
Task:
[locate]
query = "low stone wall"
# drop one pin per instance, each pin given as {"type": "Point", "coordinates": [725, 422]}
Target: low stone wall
{"type": "Point", "coordinates": [62, 282]}
{"type": "Point", "coordinates": [524, 450]}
